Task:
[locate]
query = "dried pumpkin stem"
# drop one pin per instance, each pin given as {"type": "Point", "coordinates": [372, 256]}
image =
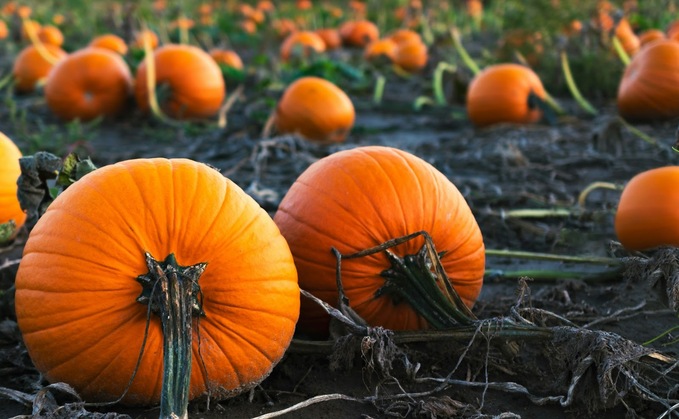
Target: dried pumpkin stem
{"type": "Point", "coordinates": [551, 257]}
{"type": "Point", "coordinates": [177, 302]}
{"type": "Point", "coordinates": [421, 281]}
{"type": "Point", "coordinates": [582, 198]}
{"type": "Point", "coordinates": [573, 88]}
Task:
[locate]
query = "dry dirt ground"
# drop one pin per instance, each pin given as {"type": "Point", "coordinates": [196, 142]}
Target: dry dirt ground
{"type": "Point", "coordinates": [590, 364]}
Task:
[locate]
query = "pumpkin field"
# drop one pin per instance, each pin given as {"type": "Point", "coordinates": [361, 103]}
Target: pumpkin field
{"type": "Point", "coordinates": [339, 209]}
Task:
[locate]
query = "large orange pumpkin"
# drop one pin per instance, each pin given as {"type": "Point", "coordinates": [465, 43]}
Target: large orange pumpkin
{"type": "Point", "coordinates": [357, 199]}
{"type": "Point", "coordinates": [10, 210]}
{"type": "Point", "coordinates": [110, 41]}
{"type": "Point", "coordinates": [301, 43]}
{"type": "Point", "coordinates": [316, 109]}
{"type": "Point", "coordinates": [647, 213]}
{"type": "Point", "coordinates": [84, 282]}
{"type": "Point", "coordinates": [649, 88]}
{"type": "Point", "coordinates": [501, 93]}
{"type": "Point", "coordinates": [30, 66]}
{"type": "Point", "coordinates": [193, 78]}
{"type": "Point", "coordinates": [89, 83]}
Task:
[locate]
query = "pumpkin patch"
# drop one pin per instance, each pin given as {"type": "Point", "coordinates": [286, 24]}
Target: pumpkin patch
{"type": "Point", "coordinates": [343, 209]}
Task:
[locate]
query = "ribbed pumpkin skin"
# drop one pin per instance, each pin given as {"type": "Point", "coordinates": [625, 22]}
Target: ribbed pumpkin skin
{"type": "Point", "coordinates": [360, 198]}
{"type": "Point", "coordinates": [89, 83]}
{"type": "Point", "coordinates": [316, 109]}
{"type": "Point", "coordinates": [76, 286]}
{"type": "Point", "coordinates": [194, 78]}
{"type": "Point", "coordinates": [500, 93]}
{"type": "Point", "coordinates": [30, 67]}
{"type": "Point", "coordinates": [647, 213]}
{"type": "Point", "coordinates": [9, 173]}
{"type": "Point", "coordinates": [649, 88]}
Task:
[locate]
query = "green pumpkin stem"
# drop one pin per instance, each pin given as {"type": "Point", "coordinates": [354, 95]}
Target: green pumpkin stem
{"type": "Point", "coordinates": [421, 281]}
{"type": "Point", "coordinates": [173, 293]}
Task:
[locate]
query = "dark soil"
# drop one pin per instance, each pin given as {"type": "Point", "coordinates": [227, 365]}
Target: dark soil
{"type": "Point", "coordinates": [499, 169]}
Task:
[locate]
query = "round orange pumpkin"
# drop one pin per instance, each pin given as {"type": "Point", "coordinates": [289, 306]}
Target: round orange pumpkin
{"type": "Point", "coordinates": [647, 215]}
{"type": "Point", "coordinates": [89, 83]}
{"type": "Point", "coordinates": [51, 35]}
{"type": "Point", "coordinates": [301, 43]}
{"type": "Point", "coordinates": [356, 199]}
{"type": "Point", "coordinates": [358, 33]}
{"type": "Point", "coordinates": [628, 39]}
{"type": "Point", "coordinates": [411, 56]}
{"type": "Point", "coordinates": [501, 93]}
{"type": "Point", "coordinates": [316, 109]}
{"type": "Point", "coordinates": [195, 83]}
{"type": "Point", "coordinates": [31, 67]}
{"type": "Point", "coordinates": [84, 322]}
{"type": "Point", "coordinates": [404, 35]}
{"type": "Point", "coordinates": [227, 57]}
{"type": "Point", "coordinates": [649, 88]}
{"type": "Point", "coordinates": [110, 41]}
{"type": "Point", "coordinates": [331, 37]}
{"type": "Point", "coordinates": [384, 47]}
{"type": "Point", "coordinates": [4, 30]}
{"type": "Point", "coordinates": [10, 210]}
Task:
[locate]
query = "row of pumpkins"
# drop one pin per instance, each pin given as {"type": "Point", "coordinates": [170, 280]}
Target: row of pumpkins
{"type": "Point", "coordinates": [94, 256]}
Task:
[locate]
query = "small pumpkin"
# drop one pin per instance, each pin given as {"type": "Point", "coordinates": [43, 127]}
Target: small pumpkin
{"type": "Point", "coordinates": [331, 37]}
{"type": "Point", "coordinates": [301, 44]}
{"type": "Point", "coordinates": [110, 41]}
{"type": "Point", "coordinates": [101, 240]}
{"type": "Point", "coordinates": [51, 35]}
{"type": "Point", "coordinates": [226, 57]}
{"type": "Point", "coordinates": [4, 30]}
{"type": "Point", "coordinates": [89, 83]}
{"type": "Point", "coordinates": [316, 109]}
{"type": "Point", "coordinates": [193, 83]}
{"type": "Point", "coordinates": [356, 199]}
{"type": "Point", "coordinates": [30, 66]}
{"type": "Point", "coordinates": [10, 210]}
{"type": "Point", "coordinates": [382, 48]}
{"type": "Point", "coordinates": [502, 93]}
{"type": "Point", "coordinates": [628, 39]}
{"type": "Point", "coordinates": [411, 56]}
{"type": "Point", "coordinates": [358, 33]}
{"type": "Point", "coordinates": [647, 214]}
{"type": "Point", "coordinates": [404, 35]}
{"type": "Point", "coordinates": [649, 87]}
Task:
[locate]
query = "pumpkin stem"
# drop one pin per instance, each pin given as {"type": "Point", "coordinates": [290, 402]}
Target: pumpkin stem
{"type": "Point", "coordinates": [466, 58]}
{"type": "Point", "coordinates": [177, 303]}
{"type": "Point", "coordinates": [570, 82]}
{"type": "Point", "coordinates": [421, 281]}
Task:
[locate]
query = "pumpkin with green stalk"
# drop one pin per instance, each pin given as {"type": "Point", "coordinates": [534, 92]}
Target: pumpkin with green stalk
{"type": "Point", "coordinates": [166, 282]}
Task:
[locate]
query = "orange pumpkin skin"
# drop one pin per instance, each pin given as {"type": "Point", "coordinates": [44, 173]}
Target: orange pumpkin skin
{"type": "Point", "coordinates": [9, 173]}
{"type": "Point", "coordinates": [316, 109]}
{"type": "Point", "coordinates": [384, 47]}
{"type": "Point", "coordinates": [411, 56]}
{"type": "Point", "coordinates": [306, 41]}
{"type": "Point", "coordinates": [356, 199]}
{"type": "Point", "coordinates": [111, 42]}
{"type": "Point", "coordinates": [649, 87]}
{"type": "Point", "coordinates": [647, 214]}
{"type": "Point", "coordinates": [227, 57]}
{"type": "Point", "coordinates": [500, 93]}
{"type": "Point", "coordinates": [30, 67]}
{"type": "Point", "coordinates": [195, 81]}
{"type": "Point", "coordinates": [82, 324]}
{"type": "Point", "coordinates": [358, 33]}
{"type": "Point", "coordinates": [139, 38]}
{"type": "Point", "coordinates": [403, 35]}
{"type": "Point", "coordinates": [628, 39]}
{"type": "Point", "coordinates": [89, 83]}
{"type": "Point", "coordinates": [650, 35]}
{"type": "Point", "coordinates": [4, 30]}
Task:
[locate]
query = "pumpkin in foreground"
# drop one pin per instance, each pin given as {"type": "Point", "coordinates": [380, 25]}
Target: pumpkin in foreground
{"type": "Point", "coordinates": [360, 198]}
{"type": "Point", "coordinates": [316, 109]}
{"type": "Point", "coordinates": [84, 282]}
{"type": "Point", "coordinates": [502, 93]}
{"type": "Point", "coordinates": [647, 215]}
{"type": "Point", "coordinates": [10, 210]}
